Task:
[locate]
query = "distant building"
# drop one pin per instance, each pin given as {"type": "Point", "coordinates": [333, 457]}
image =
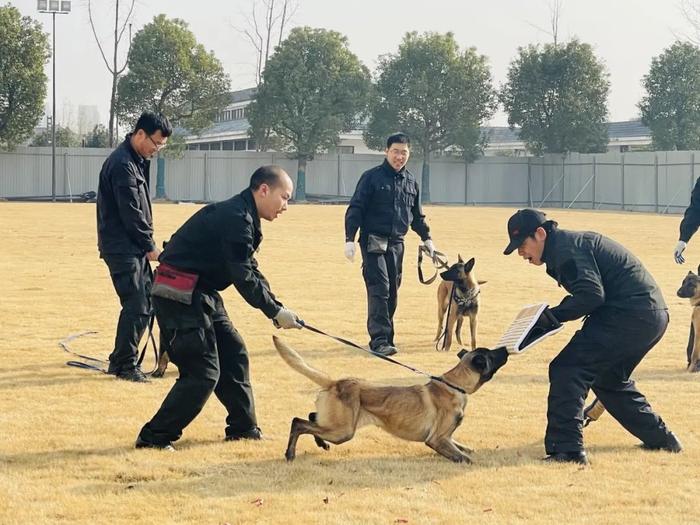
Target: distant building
{"type": "Point", "coordinates": [629, 135]}
{"type": "Point", "coordinates": [230, 132]}
{"type": "Point", "coordinates": [88, 118]}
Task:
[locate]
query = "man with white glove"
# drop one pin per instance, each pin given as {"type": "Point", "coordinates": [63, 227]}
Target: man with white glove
{"type": "Point", "coordinates": [689, 225]}
{"type": "Point", "coordinates": [385, 204]}
{"type": "Point", "coordinates": [216, 248]}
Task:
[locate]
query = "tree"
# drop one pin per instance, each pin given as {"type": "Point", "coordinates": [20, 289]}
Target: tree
{"type": "Point", "coordinates": [266, 24]}
{"type": "Point", "coordinates": [313, 88]}
{"type": "Point", "coordinates": [557, 94]}
{"type": "Point", "coordinates": [169, 72]}
{"type": "Point", "coordinates": [97, 138]}
{"type": "Point", "coordinates": [671, 107]}
{"type": "Point", "coordinates": [114, 69]}
{"type": "Point", "coordinates": [436, 94]}
{"type": "Point", "coordinates": [65, 138]}
{"type": "Point", "coordinates": [24, 49]}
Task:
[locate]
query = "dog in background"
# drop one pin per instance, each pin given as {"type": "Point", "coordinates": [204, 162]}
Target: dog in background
{"type": "Point", "coordinates": [465, 301]}
{"type": "Point", "coordinates": [428, 413]}
{"type": "Point", "coordinates": [690, 289]}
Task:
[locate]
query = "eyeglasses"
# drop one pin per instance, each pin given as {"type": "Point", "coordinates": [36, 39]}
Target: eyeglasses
{"type": "Point", "coordinates": [158, 146]}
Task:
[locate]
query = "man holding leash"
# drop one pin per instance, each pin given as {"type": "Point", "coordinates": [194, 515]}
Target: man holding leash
{"type": "Point", "coordinates": [125, 236]}
{"type": "Point", "coordinates": [214, 249]}
{"type": "Point", "coordinates": [625, 316]}
{"type": "Point", "coordinates": [689, 225]}
{"type": "Point", "coordinates": [385, 203]}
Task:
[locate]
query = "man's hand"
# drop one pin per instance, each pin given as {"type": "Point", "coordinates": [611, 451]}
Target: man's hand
{"type": "Point", "coordinates": [350, 251]}
{"type": "Point", "coordinates": [286, 319]}
{"type": "Point", "coordinates": [678, 252]}
{"type": "Point", "coordinates": [153, 256]}
{"type": "Point", "coordinates": [429, 246]}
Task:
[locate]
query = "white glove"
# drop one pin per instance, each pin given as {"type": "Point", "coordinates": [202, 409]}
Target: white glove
{"type": "Point", "coordinates": [286, 319]}
{"type": "Point", "coordinates": [429, 246]}
{"type": "Point", "coordinates": [350, 251]}
{"type": "Point", "coordinates": [678, 252]}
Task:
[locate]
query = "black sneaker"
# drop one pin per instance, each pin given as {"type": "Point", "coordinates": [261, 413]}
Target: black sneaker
{"type": "Point", "coordinates": [671, 445]}
{"type": "Point", "coordinates": [385, 350]}
{"type": "Point", "coordinates": [579, 458]}
{"type": "Point", "coordinates": [133, 374]}
{"type": "Point", "coordinates": [141, 443]}
{"type": "Point", "coordinates": [254, 433]}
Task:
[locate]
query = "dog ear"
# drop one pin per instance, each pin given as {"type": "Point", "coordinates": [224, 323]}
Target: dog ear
{"type": "Point", "coordinates": [698, 269]}
{"type": "Point", "coordinates": [470, 264]}
{"type": "Point", "coordinates": [462, 353]}
{"type": "Point", "coordinates": [459, 258]}
{"type": "Point", "coordinates": [479, 363]}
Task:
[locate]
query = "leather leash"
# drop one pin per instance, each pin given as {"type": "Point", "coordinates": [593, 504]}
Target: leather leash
{"type": "Point", "coordinates": [386, 358]}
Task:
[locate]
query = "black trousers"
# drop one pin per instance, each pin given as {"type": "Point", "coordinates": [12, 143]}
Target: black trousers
{"type": "Point", "coordinates": [601, 356]}
{"type": "Point", "coordinates": [132, 278]}
{"type": "Point", "coordinates": [211, 357]}
{"type": "Point", "coordinates": [382, 275]}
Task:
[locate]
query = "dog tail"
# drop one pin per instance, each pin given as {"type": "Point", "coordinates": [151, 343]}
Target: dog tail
{"type": "Point", "coordinates": [294, 360]}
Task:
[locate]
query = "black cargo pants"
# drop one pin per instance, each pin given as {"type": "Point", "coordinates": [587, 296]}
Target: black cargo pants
{"type": "Point", "coordinates": [601, 356]}
{"type": "Point", "coordinates": [132, 278]}
{"type": "Point", "coordinates": [211, 357]}
{"type": "Point", "coordinates": [382, 275]}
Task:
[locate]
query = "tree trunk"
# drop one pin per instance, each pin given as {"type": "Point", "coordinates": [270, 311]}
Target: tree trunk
{"type": "Point", "coordinates": [301, 181]}
{"type": "Point", "coordinates": [113, 99]}
{"type": "Point", "coordinates": [425, 182]}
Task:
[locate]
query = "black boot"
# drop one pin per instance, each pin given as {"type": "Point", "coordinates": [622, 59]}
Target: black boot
{"type": "Point", "coordinates": [670, 445]}
{"type": "Point", "coordinates": [579, 457]}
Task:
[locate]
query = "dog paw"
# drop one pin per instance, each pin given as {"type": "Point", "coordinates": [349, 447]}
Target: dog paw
{"type": "Point", "coordinates": [158, 373]}
{"type": "Point", "coordinates": [289, 456]}
{"type": "Point", "coordinates": [321, 444]}
{"type": "Point", "coordinates": [694, 368]}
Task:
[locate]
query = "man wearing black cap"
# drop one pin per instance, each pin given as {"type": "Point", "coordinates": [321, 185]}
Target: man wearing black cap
{"type": "Point", "coordinates": [625, 316]}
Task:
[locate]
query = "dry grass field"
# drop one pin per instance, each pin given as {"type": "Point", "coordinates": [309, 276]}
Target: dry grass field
{"type": "Point", "coordinates": [66, 435]}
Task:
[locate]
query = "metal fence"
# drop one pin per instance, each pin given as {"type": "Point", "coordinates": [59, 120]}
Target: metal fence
{"type": "Point", "coordinates": [642, 181]}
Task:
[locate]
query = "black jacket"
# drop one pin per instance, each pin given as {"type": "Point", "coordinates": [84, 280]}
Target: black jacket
{"type": "Point", "coordinates": [598, 273]}
{"type": "Point", "coordinates": [218, 243]}
{"type": "Point", "coordinates": [691, 219]}
{"type": "Point", "coordinates": [385, 203]}
{"type": "Point", "coordinates": [124, 216]}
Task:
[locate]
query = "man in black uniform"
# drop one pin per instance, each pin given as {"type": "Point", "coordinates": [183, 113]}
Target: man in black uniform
{"type": "Point", "coordinates": [217, 246]}
{"type": "Point", "coordinates": [625, 316]}
{"type": "Point", "coordinates": [125, 236]}
{"type": "Point", "coordinates": [689, 225]}
{"type": "Point", "coordinates": [386, 201]}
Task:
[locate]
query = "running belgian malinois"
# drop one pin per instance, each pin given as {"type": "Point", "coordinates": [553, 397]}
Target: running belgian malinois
{"type": "Point", "coordinates": [460, 287]}
{"type": "Point", "coordinates": [428, 413]}
{"type": "Point", "coordinates": [690, 289]}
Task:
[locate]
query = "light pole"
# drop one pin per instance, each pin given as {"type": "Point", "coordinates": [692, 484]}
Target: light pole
{"type": "Point", "coordinates": [62, 8]}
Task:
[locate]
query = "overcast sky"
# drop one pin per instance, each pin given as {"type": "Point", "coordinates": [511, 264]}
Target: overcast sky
{"type": "Point", "coordinates": [625, 34]}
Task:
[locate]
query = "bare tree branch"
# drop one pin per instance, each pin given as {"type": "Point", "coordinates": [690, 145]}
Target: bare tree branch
{"type": "Point", "coordinates": [690, 9]}
{"type": "Point", "coordinates": [94, 32]}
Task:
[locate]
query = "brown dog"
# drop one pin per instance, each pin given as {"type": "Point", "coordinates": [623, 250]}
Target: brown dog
{"type": "Point", "coordinates": [690, 289]}
{"type": "Point", "coordinates": [429, 413]}
{"type": "Point", "coordinates": [465, 301]}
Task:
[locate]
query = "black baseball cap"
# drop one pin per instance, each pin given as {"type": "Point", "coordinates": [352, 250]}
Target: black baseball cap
{"type": "Point", "coordinates": [521, 225]}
